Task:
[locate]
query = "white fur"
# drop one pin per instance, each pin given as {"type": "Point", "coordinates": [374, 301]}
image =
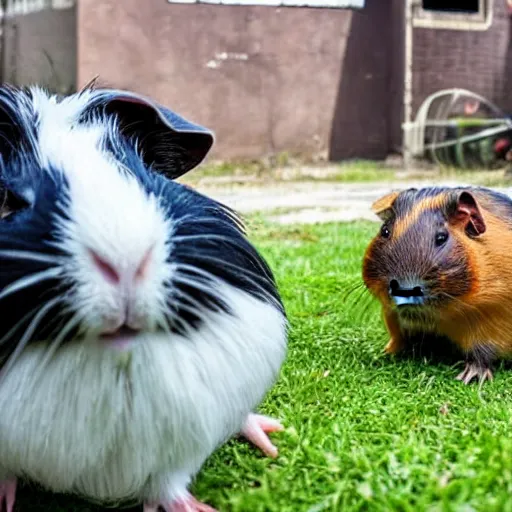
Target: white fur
{"type": "Point", "coordinates": [97, 425]}
{"type": "Point", "coordinates": [110, 214]}
{"type": "Point", "coordinates": [139, 423]}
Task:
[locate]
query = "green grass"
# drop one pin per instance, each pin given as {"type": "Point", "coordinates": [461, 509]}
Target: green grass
{"type": "Point", "coordinates": [363, 171]}
{"type": "Point", "coordinates": [253, 173]}
{"type": "Point", "coordinates": [365, 432]}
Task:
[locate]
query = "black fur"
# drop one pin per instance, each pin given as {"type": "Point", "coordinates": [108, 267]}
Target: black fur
{"type": "Point", "coordinates": [225, 253]}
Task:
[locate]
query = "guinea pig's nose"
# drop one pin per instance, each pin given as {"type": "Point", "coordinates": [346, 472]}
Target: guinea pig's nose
{"type": "Point", "coordinates": [406, 293]}
{"type": "Point", "coordinates": [106, 269]}
{"type": "Point", "coordinates": [116, 275]}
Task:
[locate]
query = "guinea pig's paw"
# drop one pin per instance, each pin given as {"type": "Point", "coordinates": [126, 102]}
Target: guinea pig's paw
{"type": "Point", "coordinates": [474, 370]}
{"type": "Point", "coordinates": [7, 494]}
{"type": "Point", "coordinates": [394, 346]}
{"type": "Point", "coordinates": [186, 504]}
{"type": "Point", "coordinates": [255, 430]}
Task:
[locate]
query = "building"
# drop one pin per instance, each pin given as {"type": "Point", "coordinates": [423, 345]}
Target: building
{"type": "Point", "coordinates": [335, 77]}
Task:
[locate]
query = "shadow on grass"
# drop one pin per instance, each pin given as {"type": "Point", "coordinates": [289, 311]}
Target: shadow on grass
{"type": "Point", "coordinates": [31, 499]}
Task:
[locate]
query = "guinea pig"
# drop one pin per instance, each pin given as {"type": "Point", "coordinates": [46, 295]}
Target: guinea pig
{"type": "Point", "coordinates": [140, 328]}
{"type": "Point", "coordinates": [441, 265]}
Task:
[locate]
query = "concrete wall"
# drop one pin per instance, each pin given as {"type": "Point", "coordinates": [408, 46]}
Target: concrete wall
{"type": "Point", "coordinates": [41, 48]}
{"type": "Point", "coordinates": [369, 96]}
{"type": "Point", "coordinates": [479, 61]}
{"type": "Point", "coordinates": [265, 79]}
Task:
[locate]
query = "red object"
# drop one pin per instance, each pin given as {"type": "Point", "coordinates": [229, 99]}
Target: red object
{"type": "Point", "coordinates": [509, 5]}
{"type": "Point", "coordinates": [470, 107]}
{"type": "Point", "coordinates": [501, 144]}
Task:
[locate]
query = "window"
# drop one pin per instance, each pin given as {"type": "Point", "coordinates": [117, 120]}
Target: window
{"type": "Point", "coordinates": [452, 14]}
{"type": "Point", "coordinates": [470, 6]}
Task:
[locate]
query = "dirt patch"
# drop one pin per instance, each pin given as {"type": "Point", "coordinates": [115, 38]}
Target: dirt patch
{"type": "Point", "coordinates": [310, 201]}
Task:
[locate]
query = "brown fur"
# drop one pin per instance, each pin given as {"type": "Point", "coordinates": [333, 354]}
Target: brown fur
{"type": "Point", "coordinates": [473, 309]}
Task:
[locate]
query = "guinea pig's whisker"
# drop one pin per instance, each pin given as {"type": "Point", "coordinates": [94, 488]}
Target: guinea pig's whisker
{"type": "Point", "coordinates": [250, 256]}
{"type": "Point", "coordinates": [5, 139]}
{"type": "Point", "coordinates": [27, 255]}
{"type": "Point", "coordinates": [194, 284]}
{"type": "Point", "coordinates": [166, 319]}
{"type": "Point", "coordinates": [57, 342]}
{"type": "Point", "coordinates": [193, 307]}
{"type": "Point", "coordinates": [179, 294]}
{"type": "Point", "coordinates": [358, 287]}
{"type": "Point", "coordinates": [160, 313]}
{"type": "Point", "coordinates": [31, 280]}
{"type": "Point", "coordinates": [22, 343]}
{"type": "Point", "coordinates": [175, 320]}
{"type": "Point", "coordinates": [15, 327]}
{"type": "Point", "coordinates": [205, 220]}
{"type": "Point", "coordinates": [355, 294]}
{"type": "Point", "coordinates": [464, 305]}
{"type": "Point", "coordinates": [215, 279]}
{"type": "Point", "coordinates": [209, 275]}
{"type": "Point", "coordinates": [220, 238]}
{"type": "Point", "coordinates": [248, 274]}
{"type": "Point", "coordinates": [363, 309]}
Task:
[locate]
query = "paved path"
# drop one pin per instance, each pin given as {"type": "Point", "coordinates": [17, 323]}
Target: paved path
{"type": "Point", "coordinates": [311, 202]}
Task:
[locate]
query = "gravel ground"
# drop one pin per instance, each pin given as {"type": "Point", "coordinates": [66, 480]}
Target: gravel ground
{"type": "Point", "coordinates": [311, 201]}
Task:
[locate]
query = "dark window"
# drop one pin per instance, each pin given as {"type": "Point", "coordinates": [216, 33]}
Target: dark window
{"type": "Point", "coordinates": [452, 5]}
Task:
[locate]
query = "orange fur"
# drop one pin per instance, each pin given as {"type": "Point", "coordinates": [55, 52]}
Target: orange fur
{"type": "Point", "coordinates": [396, 342]}
{"type": "Point", "coordinates": [484, 314]}
{"type": "Point", "coordinates": [384, 203]}
{"type": "Point", "coordinates": [429, 203]}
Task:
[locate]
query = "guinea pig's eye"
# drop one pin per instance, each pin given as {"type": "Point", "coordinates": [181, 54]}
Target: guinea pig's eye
{"type": "Point", "coordinates": [441, 238]}
{"type": "Point", "coordinates": [11, 203]}
{"type": "Point", "coordinates": [385, 232]}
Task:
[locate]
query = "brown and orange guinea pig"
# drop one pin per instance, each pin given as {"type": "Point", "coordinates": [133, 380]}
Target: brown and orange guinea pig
{"type": "Point", "coordinates": [441, 266]}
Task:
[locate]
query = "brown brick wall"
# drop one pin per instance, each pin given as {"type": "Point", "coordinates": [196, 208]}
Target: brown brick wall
{"type": "Point", "coordinates": [478, 61]}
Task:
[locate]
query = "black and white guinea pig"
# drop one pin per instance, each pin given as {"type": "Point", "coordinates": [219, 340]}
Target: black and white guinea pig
{"type": "Point", "coordinates": [139, 327]}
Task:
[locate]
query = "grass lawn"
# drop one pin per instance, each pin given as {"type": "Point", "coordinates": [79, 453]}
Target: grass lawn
{"type": "Point", "coordinates": [356, 171]}
{"type": "Point", "coordinates": [364, 431]}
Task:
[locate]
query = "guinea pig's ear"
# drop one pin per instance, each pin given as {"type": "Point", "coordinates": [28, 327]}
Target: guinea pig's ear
{"type": "Point", "coordinates": [465, 211]}
{"type": "Point", "coordinates": [169, 143]}
{"type": "Point", "coordinates": [383, 206]}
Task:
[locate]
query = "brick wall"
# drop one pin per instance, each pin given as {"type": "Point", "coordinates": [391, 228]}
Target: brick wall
{"type": "Point", "coordinates": [480, 61]}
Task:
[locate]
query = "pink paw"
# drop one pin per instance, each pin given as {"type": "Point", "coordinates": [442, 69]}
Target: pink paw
{"type": "Point", "coordinates": [7, 495]}
{"type": "Point", "coordinates": [255, 430]}
{"type": "Point", "coordinates": [186, 504]}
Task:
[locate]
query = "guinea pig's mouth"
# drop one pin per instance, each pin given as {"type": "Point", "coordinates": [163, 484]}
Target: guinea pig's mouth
{"type": "Point", "coordinates": [408, 294]}
{"type": "Point", "coordinates": [120, 338]}
{"type": "Point", "coordinates": [416, 315]}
